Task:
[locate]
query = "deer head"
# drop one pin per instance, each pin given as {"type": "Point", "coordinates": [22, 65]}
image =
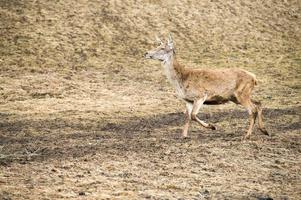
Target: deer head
{"type": "Point", "coordinates": [163, 51]}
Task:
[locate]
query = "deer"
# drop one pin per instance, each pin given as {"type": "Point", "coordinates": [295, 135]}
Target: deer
{"type": "Point", "coordinates": [198, 87]}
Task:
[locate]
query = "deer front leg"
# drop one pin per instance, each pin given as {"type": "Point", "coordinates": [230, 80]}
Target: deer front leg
{"type": "Point", "coordinates": [195, 110]}
{"type": "Point", "coordinates": [187, 119]}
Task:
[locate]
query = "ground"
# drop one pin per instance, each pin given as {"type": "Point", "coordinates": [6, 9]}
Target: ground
{"type": "Point", "coordinates": [84, 116]}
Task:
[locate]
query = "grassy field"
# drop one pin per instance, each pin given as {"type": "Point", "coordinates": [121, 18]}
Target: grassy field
{"type": "Point", "coordinates": [84, 116]}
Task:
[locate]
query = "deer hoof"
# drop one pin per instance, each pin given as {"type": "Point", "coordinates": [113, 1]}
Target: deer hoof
{"type": "Point", "coordinates": [264, 131]}
{"type": "Point", "coordinates": [186, 137]}
{"type": "Point", "coordinates": [245, 137]}
{"type": "Point", "coordinates": [212, 127]}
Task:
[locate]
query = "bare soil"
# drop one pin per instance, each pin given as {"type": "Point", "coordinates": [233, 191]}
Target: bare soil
{"type": "Point", "coordinates": [84, 116]}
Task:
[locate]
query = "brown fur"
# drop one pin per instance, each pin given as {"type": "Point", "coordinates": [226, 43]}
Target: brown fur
{"type": "Point", "coordinates": [209, 86]}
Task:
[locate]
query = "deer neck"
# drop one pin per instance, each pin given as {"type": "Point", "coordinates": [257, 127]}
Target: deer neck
{"type": "Point", "coordinates": [174, 71]}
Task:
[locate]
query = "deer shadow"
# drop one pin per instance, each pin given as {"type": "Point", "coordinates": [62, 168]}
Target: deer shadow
{"type": "Point", "coordinates": [132, 135]}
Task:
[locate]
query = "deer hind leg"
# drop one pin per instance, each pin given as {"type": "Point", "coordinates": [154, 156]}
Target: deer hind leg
{"type": "Point", "coordinates": [195, 110]}
{"type": "Point", "coordinates": [252, 110]}
{"type": "Point", "coordinates": [243, 97]}
{"type": "Point", "coordinates": [260, 120]}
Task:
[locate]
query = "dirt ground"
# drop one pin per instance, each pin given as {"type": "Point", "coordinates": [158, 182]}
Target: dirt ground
{"type": "Point", "coordinates": [84, 116]}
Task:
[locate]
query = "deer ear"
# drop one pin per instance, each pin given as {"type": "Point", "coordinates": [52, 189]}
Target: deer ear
{"type": "Point", "coordinates": [159, 40]}
{"type": "Point", "coordinates": [170, 42]}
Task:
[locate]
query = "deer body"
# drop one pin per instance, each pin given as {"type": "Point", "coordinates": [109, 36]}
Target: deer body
{"type": "Point", "coordinates": [208, 86]}
{"type": "Point", "coordinates": [219, 85]}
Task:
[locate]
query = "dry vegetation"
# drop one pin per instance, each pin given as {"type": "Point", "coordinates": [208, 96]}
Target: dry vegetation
{"type": "Point", "coordinates": [83, 115]}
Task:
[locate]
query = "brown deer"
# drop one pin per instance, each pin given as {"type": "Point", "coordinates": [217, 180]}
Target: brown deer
{"type": "Point", "coordinates": [208, 86]}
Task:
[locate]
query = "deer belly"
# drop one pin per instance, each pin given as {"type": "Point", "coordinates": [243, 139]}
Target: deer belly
{"type": "Point", "coordinates": [215, 100]}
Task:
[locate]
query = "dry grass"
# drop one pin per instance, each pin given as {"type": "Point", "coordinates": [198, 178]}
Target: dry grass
{"type": "Point", "coordinates": [83, 115]}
